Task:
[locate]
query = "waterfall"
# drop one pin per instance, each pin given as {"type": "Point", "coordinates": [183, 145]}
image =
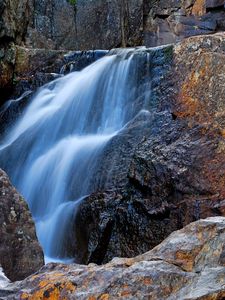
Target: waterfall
{"type": "Point", "coordinates": [53, 151]}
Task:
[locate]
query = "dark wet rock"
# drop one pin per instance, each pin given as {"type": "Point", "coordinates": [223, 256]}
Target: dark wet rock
{"type": "Point", "coordinates": [35, 67]}
{"type": "Point", "coordinates": [20, 252]}
{"type": "Point", "coordinates": [165, 170]}
{"type": "Point", "coordinates": [187, 265]}
{"type": "Point", "coordinates": [78, 60]}
{"type": "Point", "coordinates": [12, 110]}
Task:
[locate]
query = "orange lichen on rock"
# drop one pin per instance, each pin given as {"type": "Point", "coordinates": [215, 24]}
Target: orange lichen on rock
{"type": "Point", "coordinates": [147, 281]}
{"type": "Point", "coordinates": [222, 132]}
{"type": "Point", "coordinates": [186, 259]}
{"type": "Point", "coordinates": [199, 8]}
{"type": "Point", "coordinates": [188, 103]}
{"type": "Point", "coordinates": [104, 297]}
{"type": "Point", "coordinates": [50, 290]}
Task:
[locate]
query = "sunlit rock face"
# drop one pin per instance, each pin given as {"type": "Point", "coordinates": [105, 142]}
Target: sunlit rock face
{"type": "Point", "coordinates": [20, 252]}
{"type": "Point", "coordinates": [189, 264]}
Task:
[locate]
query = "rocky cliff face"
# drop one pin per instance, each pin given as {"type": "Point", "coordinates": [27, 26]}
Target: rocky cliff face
{"type": "Point", "coordinates": [171, 21]}
{"type": "Point", "coordinates": [87, 25]}
{"type": "Point", "coordinates": [189, 264]}
{"type": "Point", "coordinates": [20, 252]}
{"type": "Point", "coordinates": [110, 24]}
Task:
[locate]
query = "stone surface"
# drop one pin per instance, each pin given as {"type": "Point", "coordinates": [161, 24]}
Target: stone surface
{"type": "Point", "coordinates": [20, 252]}
{"type": "Point", "coordinates": [166, 169]}
{"type": "Point", "coordinates": [108, 24]}
{"type": "Point", "coordinates": [88, 25]}
{"type": "Point", "coordinates": [35, 67]}
{"type": "Point", "coordinates": [189, 264]}
{"type": "Point", "coordinates": [14, 17]}
{"type": "Point", "coordinates": [171, 21]}
{"type": "Point", "coordinates": [59, 25]}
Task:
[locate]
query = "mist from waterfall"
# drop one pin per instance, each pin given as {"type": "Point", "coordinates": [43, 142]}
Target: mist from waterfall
{"type": "Point", "coordinates": [54, 150]}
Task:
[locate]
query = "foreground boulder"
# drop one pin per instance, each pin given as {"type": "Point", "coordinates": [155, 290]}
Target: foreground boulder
{"type": "Point", "coordinates": [189, 264]}
{"type": "Point", "coordinates": [20, 252]}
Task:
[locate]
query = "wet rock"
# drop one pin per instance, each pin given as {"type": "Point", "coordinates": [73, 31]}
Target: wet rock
{"type": "Point", "coordinates": [166, 170]}
{"type": "Point", "coordinates": [187, 265]}
{"type": "Point", "coordinates": [39, 66]}
{"type": "Point", "coordinates": [20, 252]}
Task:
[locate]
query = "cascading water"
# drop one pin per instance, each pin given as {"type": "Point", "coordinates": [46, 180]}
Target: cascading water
{"type": "Point", "coordinates": [52, 152]}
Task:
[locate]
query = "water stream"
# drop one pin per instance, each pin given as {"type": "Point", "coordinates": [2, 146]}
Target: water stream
{"type": "Point", "coordinates": [52, 152]}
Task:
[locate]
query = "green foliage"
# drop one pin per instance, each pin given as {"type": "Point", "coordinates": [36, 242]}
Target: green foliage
{"type": "Point", "coordinates": [73, 2]}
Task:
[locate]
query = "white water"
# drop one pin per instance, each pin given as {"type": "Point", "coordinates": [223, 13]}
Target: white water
{"type": "Point", "coordinates": [4, 281]}
{"type": "Point", "coordinates": [53, 151]}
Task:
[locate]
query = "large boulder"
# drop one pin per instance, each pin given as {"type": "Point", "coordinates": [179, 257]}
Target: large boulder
{"type": "Point", "coordinates": [163, 170]}
{"type": "Point", "coordinates": [189, 264]}
{"type": "Point", "coordinates": [20, 252]}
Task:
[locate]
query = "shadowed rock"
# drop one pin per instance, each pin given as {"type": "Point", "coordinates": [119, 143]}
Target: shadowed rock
{"type": "Point", "coordinates": [20, 252]}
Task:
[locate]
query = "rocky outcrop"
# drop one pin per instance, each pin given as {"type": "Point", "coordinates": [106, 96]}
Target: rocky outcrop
{"type": "Point", "coordinates": [35, 67]}
{"type": "Point", "coordinates": [20, 252]}
{"type": "Point", "coordinates": [166, 166]}
{"type": "Point", "coordinates": [60, 25]}
{"type": "Point", "coordinates": [88, 24]}
{"type": "Point", "coordinates": [189, 264]}
{"type": "Point", "coordinates": [109, 24]}
{"type": "Point", "coordinates": [171, 21]}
